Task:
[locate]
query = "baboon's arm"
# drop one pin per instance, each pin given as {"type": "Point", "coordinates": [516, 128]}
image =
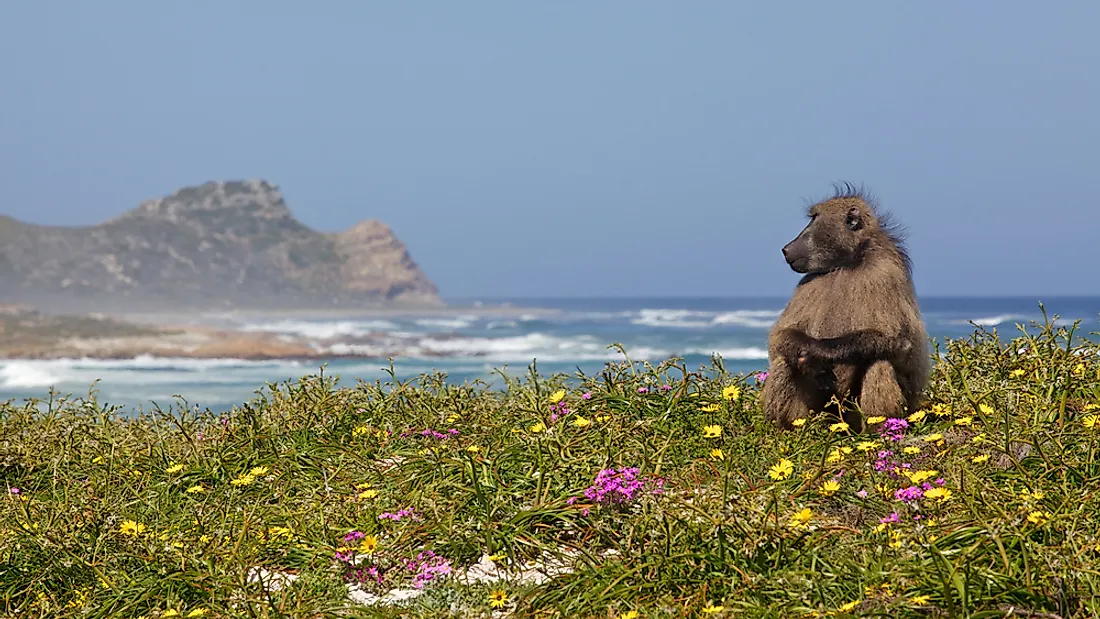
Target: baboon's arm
{"type": "Point", "coordinates": [857, 347]}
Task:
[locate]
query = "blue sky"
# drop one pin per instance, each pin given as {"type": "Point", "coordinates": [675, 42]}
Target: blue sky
{"type": "Point", "coordinates": [570, 148]}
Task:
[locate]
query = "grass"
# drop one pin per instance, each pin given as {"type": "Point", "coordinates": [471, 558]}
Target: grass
{"type": "Point", "coordinates": [110, 516]}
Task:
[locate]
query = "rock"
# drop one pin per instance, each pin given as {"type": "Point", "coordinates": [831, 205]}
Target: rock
{"type": "Point", "coordinates": [233, 244]}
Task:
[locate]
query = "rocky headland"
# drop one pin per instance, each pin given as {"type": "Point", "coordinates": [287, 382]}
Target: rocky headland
{"type": "Point", "coordinates": [217, 246]}
{"type": "Point", "coordinates": [146, 282]}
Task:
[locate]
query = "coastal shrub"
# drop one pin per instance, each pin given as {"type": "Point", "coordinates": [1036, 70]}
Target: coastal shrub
{"type": "Point", "coordinates": [642, 491]}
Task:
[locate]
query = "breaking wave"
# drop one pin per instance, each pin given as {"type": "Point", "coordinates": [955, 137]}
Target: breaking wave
{"type": "Point", "coordinates": [692, 319]}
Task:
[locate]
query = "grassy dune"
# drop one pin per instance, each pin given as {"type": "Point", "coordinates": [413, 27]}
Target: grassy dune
{"type": "Point", "coordinates": [643, 492]}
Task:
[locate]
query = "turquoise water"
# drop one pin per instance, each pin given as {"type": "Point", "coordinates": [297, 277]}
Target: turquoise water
{"type": "Point", "coordinates": [575, 337]}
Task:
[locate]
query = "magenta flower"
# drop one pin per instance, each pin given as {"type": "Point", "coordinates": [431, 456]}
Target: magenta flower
{"type": "Point", "coordinates": [911, 494]}
{"type": "Point", "coordinates": [893, 429]}
{"type": "Point", "coordinates": [426, 567]}
{"type": "Point", "coordinates": [399, 515]}
{"type": "Point", "coordinates": [618, 487]}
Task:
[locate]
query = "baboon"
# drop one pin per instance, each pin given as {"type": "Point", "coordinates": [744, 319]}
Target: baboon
{"type": "Point", "coordinates": [852, 329]}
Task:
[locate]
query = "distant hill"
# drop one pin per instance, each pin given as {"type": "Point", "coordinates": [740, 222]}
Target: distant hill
{"type": "Point", "coordinates": [219, 245]}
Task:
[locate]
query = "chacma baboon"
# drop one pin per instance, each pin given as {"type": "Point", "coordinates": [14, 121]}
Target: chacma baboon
{"type": "Point", "coordinates": [852, 328]}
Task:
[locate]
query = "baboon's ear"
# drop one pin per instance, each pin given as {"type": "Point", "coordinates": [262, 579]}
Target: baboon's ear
{"type": "Point", "coordinates": [853, 220]}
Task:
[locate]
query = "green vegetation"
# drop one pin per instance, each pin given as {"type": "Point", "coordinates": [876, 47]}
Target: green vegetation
{"type": "Point", "coordinates": [109, 516]}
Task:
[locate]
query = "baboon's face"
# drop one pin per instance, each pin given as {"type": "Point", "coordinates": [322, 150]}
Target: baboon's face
{"type": "Point", "coordinates": [834, 237]}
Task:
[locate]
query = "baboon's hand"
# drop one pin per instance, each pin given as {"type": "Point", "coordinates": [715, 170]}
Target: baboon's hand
{"type": "Point", "coordinates": [799, 349]}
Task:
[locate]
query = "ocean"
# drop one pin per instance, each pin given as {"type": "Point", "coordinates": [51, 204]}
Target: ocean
{"type": "Point", "coordinates": [478, 342]}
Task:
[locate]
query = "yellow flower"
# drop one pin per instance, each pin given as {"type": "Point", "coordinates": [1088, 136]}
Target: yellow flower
{"type": "Point", "coordinates": [980, 459]}
{"type": "Point", "coordinates": [496, 557]}
{"type": "Point", "coordinates": [871, 590]}
{"type": "Point", "coordinates": [920, 600]}
{"type": "Point", "coordinates": [197, 488]}
{"type": "Point", "coordinates": [1092, 422]}
{"type": "Point", "coordinates": [1028, 495]}
{"type": "Point", "coordinates": [581, 422]}
{"type": "Point", "coordinates": [473, 449]}
{"type": "Point", "coordinates": [498, 598]}
{"type": "Point", "coordinates": [359, 430]}
{"type": "Point", "coordinates": [933, 438]}
{"type": "Point", "coordinates": [258, 471]}
{"type": "Point", "coordinates": [866, 445]}
{"type": "Point", "coordinates": [710, 408]}
{"type": "Point", "coordinates": [712, 431]}
{"type": "Point", "coordinates": [630, 614]}
{"type": "Point", "coordinates": [242, 480]}
{"type": "Point", "coordinates": [174, 468]}
{"type": "Point", "coordinates": [801, 518]}
{"type": "Point", "coordinates": [453, 417]}
{"type": "Point", "coordinates": [711, 609]}
{"type": "Point", "coordinates": [198, 612]}
{"type": "Point", "coordinates": [917, 416]}
{"type": "Point", "coordinates": [1017, 373]}
{"type": "Point", "coordinates": [798, 423]}
{"type": "Point", "coordinates": [131, 527]}
{"type": "Point", "coordinates": [97, 460]}
{"type": "Point", "coordinates": [964, 421]}
{"type": "Point", "coordinates": [986, 409]}
{"type": "Point", "coordinates": [941, 410]}
{"type": "Point", "coordinates": [557, 396]}
{"type": "Point", "coordinates": [368, 494]}
{"type": "Point", "coordinates": [838, 427]}
{"type": "Point", "coordinates": [918, 476]}
{"type": "Point", "coordinates": [911, 450]}
{"type": "Point", "coordinates": [732, 392]}
{"type": "Point", "coordinates": [1092, 407]}
{"type": "Point", "coordinates": [940, 494]}
{"type": "Point", "coordinates": [204, 539]}
{"type": "Point", "coordinates": [895, 539]}
{"type": "Point", "coordinates": [368, 545]}
{"type": "Point", "coordinates": [536, 428]}
{"type": "Point", "coordinates": [838, 453]}
{"type": "Point", "coordinates": [602, 418]}
{"type": "Point", "coordinates": [171, 612]}
{"type": "Point", "coordinates": [875, 420]}
{"type": "Point", "coordinates": [782, 470]}
{"type": "Point", "coordinates": [1079, 369]}
{"type": "Point", "coordinates": [979, 438]}
{"type": "Point", "coordinates": [1037, 517]}
{"type": "Point", "coordinates": [279, 532]}
{"type": "Point", "coordinates": [717, 454]}
{"type": "Point", "coordinates": [850, 606]}
{"type": "Point", "coordinates": [829, 488]}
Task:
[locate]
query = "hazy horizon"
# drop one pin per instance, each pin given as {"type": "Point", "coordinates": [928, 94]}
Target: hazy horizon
{"type": "Point", "coordinates": [636, 149]}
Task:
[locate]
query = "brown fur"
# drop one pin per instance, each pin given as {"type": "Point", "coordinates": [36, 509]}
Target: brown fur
{"type": "Point", "coordinates": [852, 329]}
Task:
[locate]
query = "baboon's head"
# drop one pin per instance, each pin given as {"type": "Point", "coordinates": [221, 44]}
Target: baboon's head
{"type": "Point", "coordinates": [839, 231]}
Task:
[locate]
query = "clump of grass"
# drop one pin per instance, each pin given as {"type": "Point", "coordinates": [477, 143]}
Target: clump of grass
{"type": "Point", "coordinates": [662, 488]}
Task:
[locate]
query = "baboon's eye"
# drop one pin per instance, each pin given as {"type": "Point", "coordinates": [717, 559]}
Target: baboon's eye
{"type": "Point", "coordinates": [853, 220]}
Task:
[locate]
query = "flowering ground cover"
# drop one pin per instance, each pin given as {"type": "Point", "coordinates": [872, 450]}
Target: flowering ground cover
{"type": "Point", "coordinates": [644, 491]}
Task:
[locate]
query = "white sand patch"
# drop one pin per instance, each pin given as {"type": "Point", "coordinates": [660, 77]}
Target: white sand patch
{"type": "Point", "coordinates": [484, 572]}
{"type": "Point", "coordinates": [271, 581]}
